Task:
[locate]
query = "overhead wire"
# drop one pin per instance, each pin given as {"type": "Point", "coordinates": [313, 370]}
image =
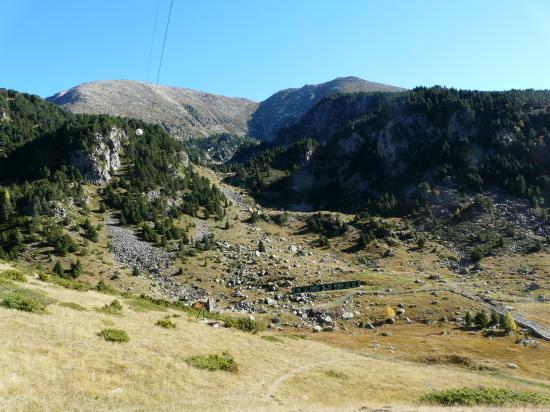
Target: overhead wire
{"type": "Point", "coordinates": [161, 56]}
{"type": "Point", "coordinates": [152, 41]}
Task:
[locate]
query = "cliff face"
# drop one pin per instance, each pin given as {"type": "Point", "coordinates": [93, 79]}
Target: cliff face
{"type": "Point", "coordinates": [102, 157]}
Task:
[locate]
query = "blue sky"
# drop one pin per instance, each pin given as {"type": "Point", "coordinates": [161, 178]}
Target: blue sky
{"type": "Point", "coordinates": [252, 48]}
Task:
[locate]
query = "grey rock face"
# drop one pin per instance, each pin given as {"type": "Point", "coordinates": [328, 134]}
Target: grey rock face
{"type": "Point", "coordinates": [96, 163]}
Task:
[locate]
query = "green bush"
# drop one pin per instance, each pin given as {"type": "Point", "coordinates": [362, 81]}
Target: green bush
{"type": "Point", "coordinates": [114, 335]}
{"type": "Point", "coordinates": [144, 305]}
{"type": "Point", "coordinates": [25, 300]}
{"type": "Point", "coordinates": [331, 373]}
{"type": "Point", "coordinates": [224, 362]}
{"type": "Point", "coordinates": [65, 283]}
{"type": "Point", "coordinates": [102, 287]}
{"type": "Point", "coordinates": [244, 324]}
{"type": "Point", "coordinates": [13, 275]}
{"type": "Point", "coordinates": [484, 396]}
{"type": "Point", "coordinates": [166, 323]}
{"type": "Point", "coordinates": [271, 338]}
{"type": "Point", "coordinates": [113, 308]}
{"type": "Point", "coordinates": [73, 306]}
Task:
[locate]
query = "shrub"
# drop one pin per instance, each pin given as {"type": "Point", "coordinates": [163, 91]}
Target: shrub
{"type": "Point", "coordinates": [331, 373]}
{"type": "Point", "coordinates": [66, 283]}
{"type": "Point", "coordinates": [271, 338]}
{"type": "Point", "coordinates": [224, 362]}
{"type": "Point", "coordinates": [13, 275]}
{"type": "Point", "coordinates": [25, 300]}
{"type": "Point", "coordinates": [244, 324]}
{"type": "Point", "coordinates": [484, 396]}
{"type": "Point", "coordinates": [144, 305]}
{"type": "Point", "coordinates": [166, 323]}
{"type": "Point", "coordinates": [389, 313]}
{"type": "Point", "coordinates": [113, 308]}
{"type": "Point", "coordinates": [73, 306]}
{"type": "Point", "coordinates": [105, 288]}
{"type": "Point", "coordinates": [114, 335]}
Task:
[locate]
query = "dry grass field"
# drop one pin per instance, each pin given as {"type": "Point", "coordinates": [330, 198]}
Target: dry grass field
{"type": "Point", "coordinates": [56, 361]}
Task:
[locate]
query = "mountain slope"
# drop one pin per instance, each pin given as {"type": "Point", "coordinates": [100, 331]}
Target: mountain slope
{"type": "Point", "coordinates": [188, 113]}
{"type": "Point", "coordinates": [184, 112]}
{"type": "Point", "coordinates": [287, 106]}
{"type": "Point", "coordinates": [371, 144]}
{"type": "Point", "coordinates": [57, 361]}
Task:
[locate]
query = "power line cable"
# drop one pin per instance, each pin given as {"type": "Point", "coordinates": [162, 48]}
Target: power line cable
{"type": "Point", "coordinates": [152, 41]}
{"type": "Point", "coordinates": [162, 55]}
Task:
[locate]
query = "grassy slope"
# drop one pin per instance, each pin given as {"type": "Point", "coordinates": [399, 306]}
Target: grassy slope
{"type": "Point", "coordinates": [56, 361]}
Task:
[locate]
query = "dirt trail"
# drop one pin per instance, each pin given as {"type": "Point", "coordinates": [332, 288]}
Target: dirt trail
{"type": "Point", "coordinates": [272, 389]}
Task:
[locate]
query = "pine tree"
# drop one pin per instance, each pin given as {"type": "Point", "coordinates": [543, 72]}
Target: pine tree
{"type": "Point", "coordinates": [58, 269]}
{"type": "Point", "coordinates": [495, 319]}
{"type": "Point", "coordinates": [362, 241]}
{"type": "Point", "coordinates": [261, 246]}
{"type": "Point", "coordinates": [482, 319]}
{"type": "Point", "coordinates": [508, 323]}
{"type": "Point", "coordinates": [76, 269]}
{"type": "Point", "coordinates": [468, 320]}
{"type": "Point", "coordinates": [5, 206]}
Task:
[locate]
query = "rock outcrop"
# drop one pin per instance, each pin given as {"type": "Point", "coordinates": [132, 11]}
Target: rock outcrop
{"type": "Point", "coordinates": [102, 157]}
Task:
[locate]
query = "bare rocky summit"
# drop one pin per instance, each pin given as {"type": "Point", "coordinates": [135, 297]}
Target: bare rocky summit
{"type": "Point", "coordinates": [183, 112]}
{"type": "Point", "coordinates": [187, 113]}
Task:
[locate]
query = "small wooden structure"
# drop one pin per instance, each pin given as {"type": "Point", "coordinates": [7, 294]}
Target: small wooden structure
{"type": "Point", "coordinates": [321, 287]}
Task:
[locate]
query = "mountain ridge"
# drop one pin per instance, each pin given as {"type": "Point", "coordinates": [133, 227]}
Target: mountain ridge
{"type": "Point", "coordinates": [183, 112]}
{"type": "Point", "coordinates": [188, 113]}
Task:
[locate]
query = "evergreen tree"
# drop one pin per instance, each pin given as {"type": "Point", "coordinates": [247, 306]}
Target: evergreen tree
{"type": "Point", "coordinates": [468, 320]}
{"type": "Point", "coordinates": [495, 319]}
{"type": "Point", "coordinates": [261, 246]}
{"type": "Point", "coordinates": [76, 269]}
{"type": "Point", "coordinates": [508, 323]}
{"type": "Point", "coordinates": [58, 269]}
{"type": "Point", "coordinates": [482, 319]}
{"type": "Point", "coordinates": [5, 205]}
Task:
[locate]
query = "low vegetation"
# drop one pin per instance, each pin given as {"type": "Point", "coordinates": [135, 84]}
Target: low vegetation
{"type": "Point", "coordinates": [114, 335]}
{"type": "Point", "coordinates": [484, 397]}
{"type": "Point", "coordinates": [331, 373]}
{"type": "Point", "coordinates": [113, 308]}
{"type": "Point", "coordinates": [213, 362]}
{"type": "Point", "coordinates": [23, 299]}
{"type": "Point", "coordinates": [166, 323]}
{"type": "Point", "coordinates": [244, 324]}
{"type": "Point", "coordinates": [13, 275]}
{"type": "Point", "coordinates": [144, 305]}
{"type": "Point", "coordinates": [73, 306]}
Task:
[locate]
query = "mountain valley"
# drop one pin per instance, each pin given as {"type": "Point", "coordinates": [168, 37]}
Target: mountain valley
{"type": "Point", "coordinates": [209, 211]}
